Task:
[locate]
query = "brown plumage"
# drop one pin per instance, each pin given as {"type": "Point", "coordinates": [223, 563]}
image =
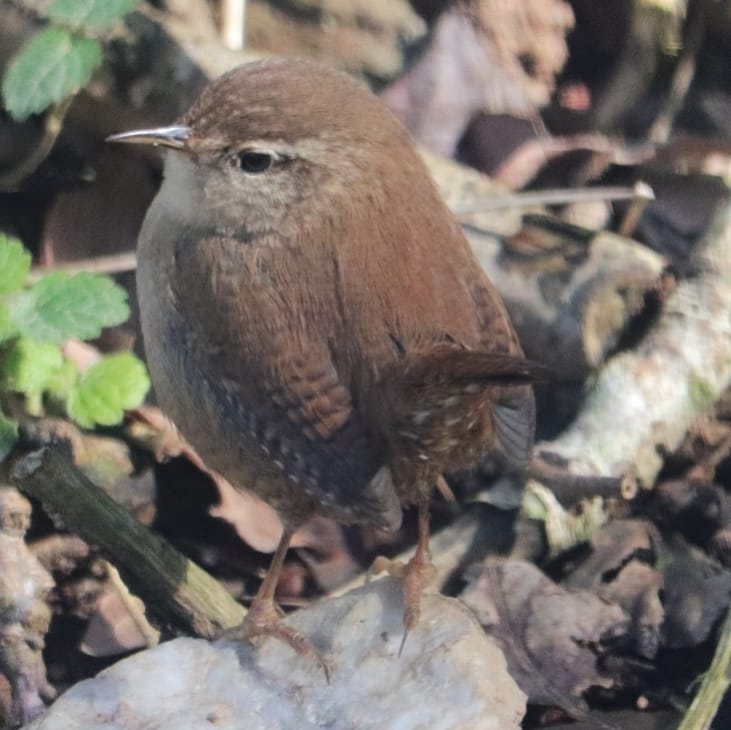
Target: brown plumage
{"type": "Point", "coordinates": [315, 322]}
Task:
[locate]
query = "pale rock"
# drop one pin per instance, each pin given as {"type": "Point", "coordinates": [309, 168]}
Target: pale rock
{"type": "Point", "coordinates": [450, 676]}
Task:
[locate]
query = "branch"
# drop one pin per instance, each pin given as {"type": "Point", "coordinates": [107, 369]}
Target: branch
{"type": "Point", "coordinates": [174, 587]}
{"type": "Point", "coordinates": [645, 400]}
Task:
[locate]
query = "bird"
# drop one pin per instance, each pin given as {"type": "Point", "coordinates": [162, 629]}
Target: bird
{"type": "Point", "coordinates": [314, 320]}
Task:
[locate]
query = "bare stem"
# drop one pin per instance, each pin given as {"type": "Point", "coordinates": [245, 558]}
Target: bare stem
{"type": "Point", "coordinates": [117, 263]}
{"type": "Point", "coordinates": [53, 123]}
{"type": "Point", "coordinates": [715, 682]}
{"type": "Point", "coordinates": [176, 589]}
{"type": "Point", "coordinates": [557, 196]}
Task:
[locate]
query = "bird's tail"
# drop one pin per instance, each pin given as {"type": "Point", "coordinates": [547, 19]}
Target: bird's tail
{"type": "Point", "coordinates": [432, 391]}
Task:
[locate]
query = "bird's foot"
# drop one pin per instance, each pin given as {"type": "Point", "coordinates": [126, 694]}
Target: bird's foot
{"type": "Point", "coordinates": [416, 575]}
{"type": "Point", "coordinates": [265, 619]}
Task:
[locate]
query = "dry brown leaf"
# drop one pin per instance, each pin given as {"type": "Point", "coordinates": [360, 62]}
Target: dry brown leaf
{"type": "Point", "coordinates": [530, 39]}
{"type": "Point", "coordinates": [547, 161]}
{"type": "Point", "coordinates": [612, 547]}
{"type": "Point", "coordinates": [459, 75]}
{"type": "Point", "coordinates": [620, 569]}
{"type": "Point", "coordinates": [60, 554]}
{"type": "Point", "coordinates": [256, 523]}
{"type": "Point", "coordinates": [485, 55]}
{"type": "Point", "coordinates": [637, 590]}
{"type": "Point", "coordinates": [111, 629]}
{"type": "Point", "coordinates": [683, 207]}
{"type": "Point", "coordinates": [550, 636]}
{"type": "Point", "coordinates": [326, 552]}
{"type": "Point", "coordinates": [363, 36]}
{"type": "Point", "coordinates": [686, 155]}
{"type": "Point", "coordinates": [696, 594]}
{"type": "Point", "coordinates": [693, 507]}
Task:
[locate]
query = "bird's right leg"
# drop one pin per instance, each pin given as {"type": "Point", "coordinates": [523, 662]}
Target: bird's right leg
{"type": "Point", "coordinates": [418, 573]}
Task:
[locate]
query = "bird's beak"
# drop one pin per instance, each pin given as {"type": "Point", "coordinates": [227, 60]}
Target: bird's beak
{"type": "Point", "coordinates": [175, 136]}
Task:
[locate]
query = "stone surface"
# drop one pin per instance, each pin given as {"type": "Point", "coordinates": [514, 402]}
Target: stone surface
{"type": "Point", "coordinates": [450, 676]}
{"type": "Point", "coordinates": [24, 615]}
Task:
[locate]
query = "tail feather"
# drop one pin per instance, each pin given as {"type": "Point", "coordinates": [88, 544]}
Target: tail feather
{"type": "Point", "coordinates": [514, 418]}
{"type": "Point", "coordinates": [434, 395]}
{"type": "Point", "coordinates": [448, 366]}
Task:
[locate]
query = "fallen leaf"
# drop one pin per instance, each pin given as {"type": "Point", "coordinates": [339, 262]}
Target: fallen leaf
{"type": "Point", "coordinates": [551, 636]}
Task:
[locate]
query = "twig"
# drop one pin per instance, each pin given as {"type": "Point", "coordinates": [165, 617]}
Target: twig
{"type": "Point", "coordinates": [464, 541]}
{"type": "Point", "coordinates": [643, 195]}
{"type": "Point", "coordinates": [117, 263]}
{"type": "Point", "coordinates": [715, 682]}
{"type": "Point", "coordinates": [557, 196]}
{"type": "Point", "coordinates": [52, 124]}
{"type": "Point", "coordinates": [570, 488]}
{"type": "Point", "coordinates": [647, 25]}
{"type": "Point", "coordinates": [683, 76]}
{"type": "Point", "coordinates": [233, 24]}
{"type": "Point", "coordinates": [644, 400]}
{"type": "Point", "coordinates": [172, 586]}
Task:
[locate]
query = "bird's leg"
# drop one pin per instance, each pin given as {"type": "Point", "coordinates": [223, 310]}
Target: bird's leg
{"type": "Point", "coordinates": [262, 607]}
{"type": "Point", "coordinates": [418, 573]}
{"type": "Point", "coordinates": [264, 618]}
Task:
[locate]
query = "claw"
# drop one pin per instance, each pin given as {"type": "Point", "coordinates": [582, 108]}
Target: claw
{"type": "Point", "coordinates": [264, 619]}
{"type": "Point", "coordinates": [418, 574]}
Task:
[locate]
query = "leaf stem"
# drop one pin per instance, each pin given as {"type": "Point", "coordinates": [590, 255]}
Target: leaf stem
{"type": "Point", "coordinates": [10, 180]}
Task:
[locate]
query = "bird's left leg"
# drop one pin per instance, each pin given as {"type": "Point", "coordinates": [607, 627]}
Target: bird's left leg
{"type": "Point", "coordinates": [265, 619]}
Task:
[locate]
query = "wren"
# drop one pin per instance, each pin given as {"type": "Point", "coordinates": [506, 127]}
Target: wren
{"type": "Point", "coordinates": [314, 320]}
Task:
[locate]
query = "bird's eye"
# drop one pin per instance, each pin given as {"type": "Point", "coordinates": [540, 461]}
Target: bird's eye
{"type": "Point", "coordinates": [254, 162]}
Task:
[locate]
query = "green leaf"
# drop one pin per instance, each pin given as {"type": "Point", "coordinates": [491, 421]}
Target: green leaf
{"type": "Point", "coordinates": [14, 264]}
{"type": "Point", "coordinates": [52, 65]}
{"type": "Point", "coordinates": [62, 382]}
{"type": "Point", "coordinates": [8, 435]}
{"type": "Point", "coordinates": [115, 384]}
{"type": "Point", "coordinates": [27, 366]}
{"type": "Point", "coordinates": [60, 306]}
{"type": "Point", "coordinates": [7, 330]}
{"type": "Point", "coordinates": [93, 15]}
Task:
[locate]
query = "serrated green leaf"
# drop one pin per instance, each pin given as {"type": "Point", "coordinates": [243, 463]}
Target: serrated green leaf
{"type": "Point", "coordinates": [8, 435]}
{"type": "Point", "coordinates": [60, 306]}
{"type": "Point", "coordinates": [52, 65]}
{"type": "Point", "coordinates": [93, 15]}
{"type": "Point", "coordinates": [27, 366]}
{"type": "Point", "coordinates": [14, 264]}
{"type": "Point", "coordinates": [108, 388]}
{"type": "Point", "coordinates": [63, 381]}
{"type": "Point", "coordinates": [7, 330]}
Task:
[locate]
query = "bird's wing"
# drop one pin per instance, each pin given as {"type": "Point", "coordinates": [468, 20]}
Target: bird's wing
{"type": "Point", "coordinates": [280, 384]}
{"type": "Point", "coordinates": [317, 438]}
